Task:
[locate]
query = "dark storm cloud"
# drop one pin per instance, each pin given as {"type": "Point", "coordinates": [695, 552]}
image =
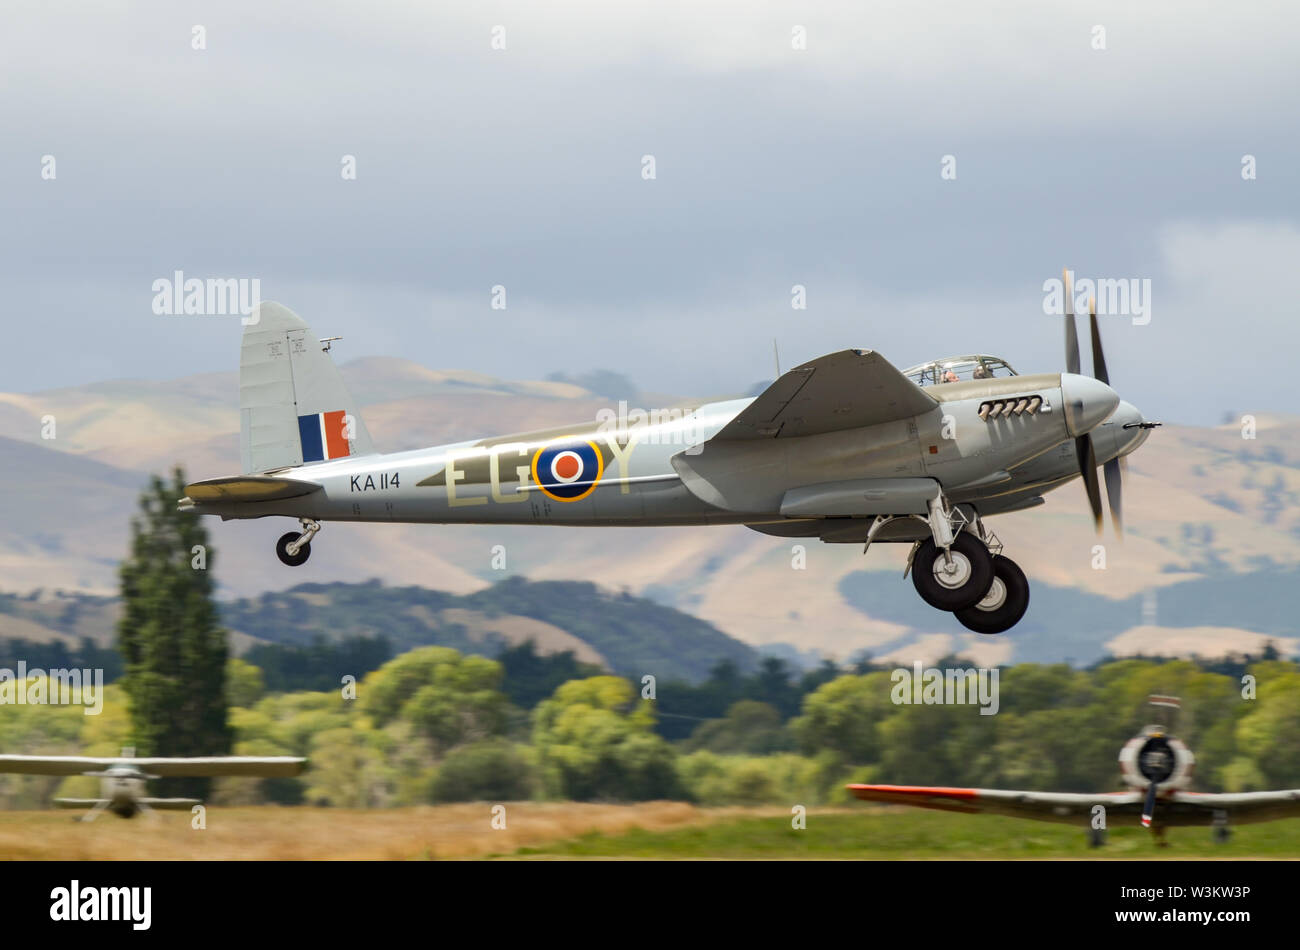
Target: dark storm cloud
{"type": "Point", "coordinates": [522, 168]}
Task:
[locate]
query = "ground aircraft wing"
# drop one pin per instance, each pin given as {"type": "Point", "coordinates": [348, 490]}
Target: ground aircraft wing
{"type": "Point", "coordinates": [1175, 808]}
{"type": "Point", "coordinates": [1243, 806]}
{"type": "Point", "coordinates": [258, 766]}
{"type": "Point", "coordinates": [53, 764]}
{"type": "Point", "coordinates": [844, 390]}
{"type": "Point", "coordinates": [1050, 806]}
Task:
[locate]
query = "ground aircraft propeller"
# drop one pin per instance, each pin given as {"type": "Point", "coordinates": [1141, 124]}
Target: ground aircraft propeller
{"type": "Point", "coordinates": [1149, 807]}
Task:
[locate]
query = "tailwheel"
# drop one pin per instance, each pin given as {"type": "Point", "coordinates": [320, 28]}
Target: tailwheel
{"type": "Point", "coordinates": [955, 581]}
{"type": "Point", "coordinates": [295, 547]}
{"type": "Point", "coordinates": [1004, 604]}
{"type": "Point", "coordinates": [282, 549]}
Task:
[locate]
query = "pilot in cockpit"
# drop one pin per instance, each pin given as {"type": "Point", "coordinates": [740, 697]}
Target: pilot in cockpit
{"type": "Point", "coordinates": [981, 372]}
{"type": "Point", "coordinates": [948, 376]}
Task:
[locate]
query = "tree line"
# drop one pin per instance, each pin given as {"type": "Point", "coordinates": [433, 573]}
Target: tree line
{"type": "Point", "coordinates": [435, 724]}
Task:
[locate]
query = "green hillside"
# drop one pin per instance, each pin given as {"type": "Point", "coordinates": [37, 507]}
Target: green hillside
{"type": "Point", "coordinates": [634, 635]}
{"type": "Point", "coordinates": [630, 634]}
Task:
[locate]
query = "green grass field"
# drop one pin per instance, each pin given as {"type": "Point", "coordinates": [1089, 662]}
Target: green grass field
{"type": "Point", "coordinates": [882, 834]}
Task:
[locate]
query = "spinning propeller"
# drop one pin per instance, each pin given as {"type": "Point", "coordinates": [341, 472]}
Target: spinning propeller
{"type": "Point", "coordinates": [1083, 447]}
{"type": "Point", "coordinates": [1156, 762]}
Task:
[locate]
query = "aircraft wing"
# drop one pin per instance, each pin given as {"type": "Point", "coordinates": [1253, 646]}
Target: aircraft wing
{"type": "Point", "coordinates": [258, 766]}
{"type": "Point", "coordinates": [261, 766]}
{"type": "Point", "coordinates": [844, 390]}
{"type": "Point", "coordinates": [1046, 806]}
{"type": "Point", "coordinates": [1174, 808]}
{"type": "Point", "coordinates": [52, 764]}
{"type": "Point", "coordinates": [1242, 806]}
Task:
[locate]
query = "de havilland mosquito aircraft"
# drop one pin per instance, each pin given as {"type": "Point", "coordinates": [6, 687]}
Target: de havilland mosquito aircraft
{"type": "Point", "coordinates": [844, 448]}
{"type": "Point", "coordinates": [122, 779]}
{"type": "Point", "coordinates": [1155, 764]}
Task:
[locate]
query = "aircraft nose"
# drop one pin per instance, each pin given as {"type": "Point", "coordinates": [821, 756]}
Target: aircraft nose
{"type": "Point", "coordinates": [1129, 438]}
{"type": "Point", "coordinates": [1088, 402]}
{"type": "Point", "coordinates": [1112, 439]}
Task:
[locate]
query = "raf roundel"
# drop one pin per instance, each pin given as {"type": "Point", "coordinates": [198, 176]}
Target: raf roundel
{"type": "Point", "coordinates": [568, 471]}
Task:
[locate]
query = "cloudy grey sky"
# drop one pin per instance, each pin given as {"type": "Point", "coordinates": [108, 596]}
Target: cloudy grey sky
{"type": "Point", "coordinates": [775, 167]}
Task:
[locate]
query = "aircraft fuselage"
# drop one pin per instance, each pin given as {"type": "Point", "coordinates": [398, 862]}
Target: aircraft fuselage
{"type": "Point", "coordinates": [621, 472]}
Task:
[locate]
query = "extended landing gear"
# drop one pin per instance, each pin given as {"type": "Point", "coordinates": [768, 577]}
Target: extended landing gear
{"type": "Point", "coordinates": [1003, 605]}
{"type": "Point", "coordinates": [294, 548]}
{"type": "Point", "coordinates": [951, 569]}
{"type": "Point", "coordinates": [954, 579]}
{"type": "Point", "coordinates": [960, 568]}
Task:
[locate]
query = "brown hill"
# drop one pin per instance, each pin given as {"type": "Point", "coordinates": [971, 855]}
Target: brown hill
{"type": "Point", "coordinates": [1199, 501]}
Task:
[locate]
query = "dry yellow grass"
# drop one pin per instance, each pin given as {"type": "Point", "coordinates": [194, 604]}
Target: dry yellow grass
{"type": "Point", "coordinates": [288, 834]}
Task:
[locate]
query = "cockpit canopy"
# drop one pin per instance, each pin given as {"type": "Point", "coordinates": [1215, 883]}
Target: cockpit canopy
{"type": "Point", "coordinates": [959, 369]}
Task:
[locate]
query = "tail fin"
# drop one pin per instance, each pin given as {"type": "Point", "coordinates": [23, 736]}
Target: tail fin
{"type": "Point", "coordinates": [293, 407]}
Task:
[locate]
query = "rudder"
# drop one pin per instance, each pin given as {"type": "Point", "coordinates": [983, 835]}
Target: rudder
{"type": "Point", "coordinates": [293, 406]}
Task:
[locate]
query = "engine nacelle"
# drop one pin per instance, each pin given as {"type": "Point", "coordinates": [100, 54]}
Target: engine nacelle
{"type": "Point", "coordinates": [1155, 756]}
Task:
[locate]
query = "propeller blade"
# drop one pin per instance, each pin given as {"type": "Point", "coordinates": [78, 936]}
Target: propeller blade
{"type": "Point", "coordinates": [1149, 808]}
{"type": "Point", "coordinates": [1071, 332]}
{"type": "Point", "coordinates": [1088, 469]}
{"type": "Point", "coordinates": [1114, 493]}
{"type": "Point", "coordinates": [1098, 357]}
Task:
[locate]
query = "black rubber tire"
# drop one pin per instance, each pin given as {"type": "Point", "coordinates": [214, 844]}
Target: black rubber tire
{"type": "Point", "coordinates": [971, 592]}
{"type": "Point", "coordinates": [1012, 608]}
{"type": "Point", "coordinates": [282, 549]}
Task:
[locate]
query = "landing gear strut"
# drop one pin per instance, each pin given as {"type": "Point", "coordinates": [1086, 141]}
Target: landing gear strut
{"type": "Point", "coordinates": [960, 567]}
{"type": "Point", "coordinates": [294, 548]}
{"type": "Point", "coordinates": [952, 569]}
{"type": "Point", "coordinates": [1221, 830]}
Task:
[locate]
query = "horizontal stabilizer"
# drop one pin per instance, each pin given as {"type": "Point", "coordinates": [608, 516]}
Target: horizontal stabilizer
{"type": "Point", "coordinates": [170, 804]}
{"type": "Point", "coordinates": [248, 488]}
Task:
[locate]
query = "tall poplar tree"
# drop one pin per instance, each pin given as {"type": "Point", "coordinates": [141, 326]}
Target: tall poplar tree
{"type": "Point", "coordinates": [175, 652]}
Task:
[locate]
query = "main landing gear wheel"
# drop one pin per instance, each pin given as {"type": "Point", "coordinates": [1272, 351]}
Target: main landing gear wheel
{"type": "Point", "coordinates": [1003, 605]}
{"type": "Point", "coordinates": [956, 582]}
